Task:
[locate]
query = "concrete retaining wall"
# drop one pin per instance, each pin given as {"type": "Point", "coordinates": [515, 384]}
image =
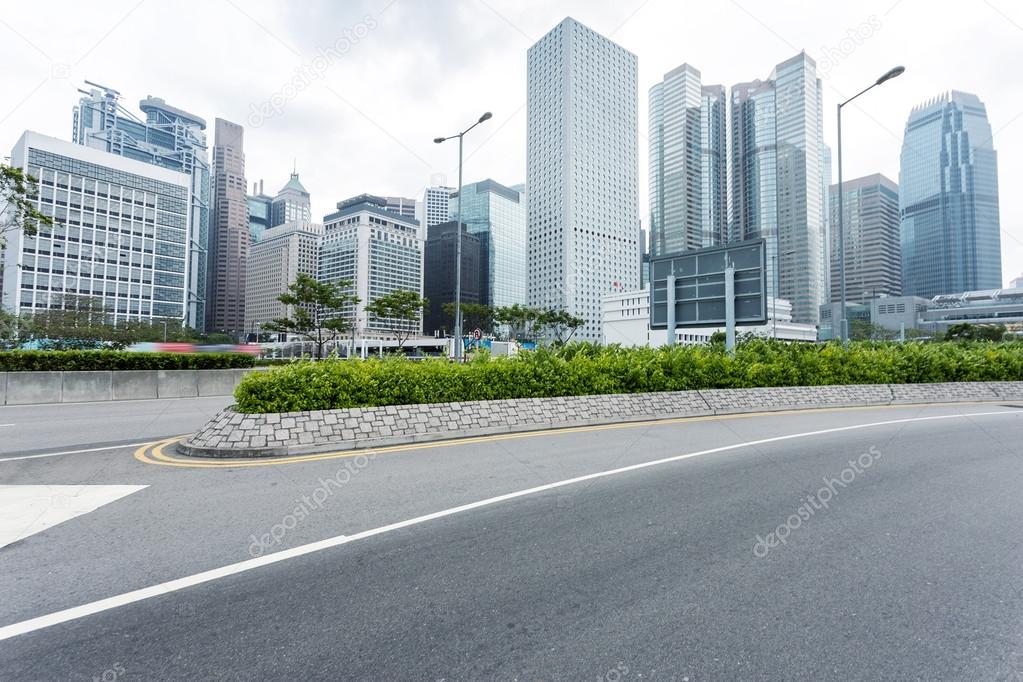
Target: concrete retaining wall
{"type": "Point", "coordinates": [232, 434]}
{"type": "Point", "coordinates": [26, 388]}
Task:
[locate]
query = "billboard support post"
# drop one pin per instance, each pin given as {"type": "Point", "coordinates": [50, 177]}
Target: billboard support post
{"type": "Point", "coordinates": [730, 308]}
{"type": "Point", "coordinates": [671, 310]}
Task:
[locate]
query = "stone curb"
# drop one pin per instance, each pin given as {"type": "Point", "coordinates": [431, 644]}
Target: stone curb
{"type": "Point", "coordinates": [232, 434]}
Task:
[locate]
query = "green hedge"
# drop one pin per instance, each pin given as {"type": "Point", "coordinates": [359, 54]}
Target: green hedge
{"type": "Point", "coordinates": [584, 369]}
{"type": "Point", "coordinates": [79, 360]}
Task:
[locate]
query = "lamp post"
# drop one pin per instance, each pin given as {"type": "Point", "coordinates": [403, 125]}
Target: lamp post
{"type": "Point", "coordinates": [843, 331]}
{"type": "Point", "coordinates": [458, 235]}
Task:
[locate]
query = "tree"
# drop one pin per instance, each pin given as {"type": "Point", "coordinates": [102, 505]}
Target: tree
{"type": "Point", "coordinates": [558, 323]}
{"type": "Point", "coordinates": [521, 320]}
{"type": "Point", "coordinates": [315, 311]}
{"type": "Point", "coordinates": [975, 332]}
{"type": "Point", "coordinates": [8, 329]}
{"type": "Point", "coordinates": [399, 311]}
{"type": "Point", "coordinates": [71, 322]}
{"type": "Point", "coordinates": [474, 315]}
{"type": "Point", "coordinates": [18, 192]}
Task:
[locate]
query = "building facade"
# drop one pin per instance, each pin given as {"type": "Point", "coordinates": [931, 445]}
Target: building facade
{"type": "Point", "coordinates": [121, 234]}
{"type": "Point", "coordinates": [626, 321]}
{"type": "Point", "coordinates": [403, 206]}
{"type": "Point", "coordinates": [282, 254]}
{"type": "Point", "coordinates": [259, 212]}
{"type": "Point", "coordinates": [229, 232]}
{"type": "Point", "coordinates": [777, 186]}
{"type": "Point", "coordinates": [436, 206]}
{"type": "Point", "coordinates": [496, 214]}
{"type": "Point", "coordinates": [377, 251]}
{"type": "Point", "coordinates": [713, 165]}
{"type": "Point", "coordinates": [676, 209]}
{"type": "Point", "coordinates": [948, 198]}
{"type": "Point", "coordinates": [439, 274]}
{"type": "Point", "coordinates": [873, 266]}
{"type": "Point", "coordinates": [169, 138]}
{"type": "Point", "coordinates": [291, 204]}
{"type": "Point", "coordinates": [582, 168]}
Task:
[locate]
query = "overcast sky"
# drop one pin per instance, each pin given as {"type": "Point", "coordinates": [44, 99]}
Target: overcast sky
{"type": "Point", "coordinates": [381, 78]}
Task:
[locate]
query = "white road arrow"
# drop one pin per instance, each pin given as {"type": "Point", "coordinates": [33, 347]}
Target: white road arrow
{"type": "Point", "coordinates": [29, 509]}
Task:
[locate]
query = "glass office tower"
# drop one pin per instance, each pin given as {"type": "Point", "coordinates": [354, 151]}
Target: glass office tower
{"type": "Point", "coordinates": [497, 215]}
{"type": "Point", "coordinates": [948, 199]}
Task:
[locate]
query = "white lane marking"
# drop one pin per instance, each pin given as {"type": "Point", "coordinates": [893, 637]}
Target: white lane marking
{"type": "Point", "coordinates": [75, 452]}
{"type": "Point", "coordinates": [92, 608]}
{"type": "Point", "coordinates": [8, 424]}
{"type": "Point", "coordinates": [29, 509]}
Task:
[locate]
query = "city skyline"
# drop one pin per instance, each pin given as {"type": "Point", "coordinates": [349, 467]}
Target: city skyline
{"type": "Point", "coordinates": [335, 118]}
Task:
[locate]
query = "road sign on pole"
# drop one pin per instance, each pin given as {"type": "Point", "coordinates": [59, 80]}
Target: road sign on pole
{"type": "Point", "coordinates": [477, 334]}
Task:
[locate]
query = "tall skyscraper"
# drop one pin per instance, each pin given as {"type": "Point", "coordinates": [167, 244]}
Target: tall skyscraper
{"type": "Point", "coordinates": [437, 205]}
{"type": "Point", "coordinates": [170, 138]}
{"type": "Point", "coordinates": [713, 165]}
{"type": "Point", "coordinates": [497, 215]}
{"type": "Point", "coordinates": [376, 250]}
{"type": "Point", "coordinates": [581, 158]}
{"type": "Point", "coordinates": [229, 234]}
{"type": "Point", "coordinates": [676, 214]}
{"type": "Point", "coordinates": [872, 263]}
{"type": "Point", "coordinates": [948, 198]}
{"type": "Point", "coordinates": [777, 190]}
{"type": "Point", "coordinates": [275, 261]}
{"type": "Point", "coordinates": [120, 234]}
{"type": "Point", "coordinates": [291, 204]}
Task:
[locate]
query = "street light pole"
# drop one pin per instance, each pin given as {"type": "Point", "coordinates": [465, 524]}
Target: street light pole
{"type": "Point", "coordinates": [843, 330]}
{"type": "Point", "coordinates": [458, 236]}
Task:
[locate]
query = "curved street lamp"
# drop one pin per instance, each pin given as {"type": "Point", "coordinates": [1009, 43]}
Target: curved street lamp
{"type": "Point", "coordinates": [458, 230]}
{"type": "Point", "coordinates": [843, 330]}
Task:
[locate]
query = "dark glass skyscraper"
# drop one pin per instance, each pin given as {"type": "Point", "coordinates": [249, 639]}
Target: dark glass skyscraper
{"type": "Point", "coordinates": [948, 199]}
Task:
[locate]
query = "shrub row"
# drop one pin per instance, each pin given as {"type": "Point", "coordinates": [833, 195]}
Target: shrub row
{"type": "Point", "coordinates": [81, 360]}
{"type": "Point", "coordinates": [583, 369]}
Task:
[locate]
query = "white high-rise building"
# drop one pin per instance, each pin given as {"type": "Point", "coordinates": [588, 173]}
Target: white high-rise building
{"type": "Point", "coordinates": [582, 172]}
{"type": "Point", "coordinates": [436, 206]}
{"type": "Point", "coordinates": [377, 251]}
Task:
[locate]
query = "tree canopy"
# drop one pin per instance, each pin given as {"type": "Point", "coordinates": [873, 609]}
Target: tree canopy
{"type": "Point", "coordinates": [316, 309]}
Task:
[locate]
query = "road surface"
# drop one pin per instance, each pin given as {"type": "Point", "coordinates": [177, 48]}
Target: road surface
{"type": "Point", "coordinates": [834, 544]}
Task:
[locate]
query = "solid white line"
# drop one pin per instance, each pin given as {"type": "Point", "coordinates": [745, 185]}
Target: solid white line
{"type": "Point", "coordinates": [75, 452]}
{"type": "Point", "coordinates": [7, 424]}
{"type": "Point", "coordinates": [40, 622]}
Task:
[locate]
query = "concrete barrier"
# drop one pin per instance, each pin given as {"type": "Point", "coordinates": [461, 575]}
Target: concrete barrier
{"type": "Point", "coordinates": [81, 387]}
{"type": "Point", "coordinates": [218, 381]}
{"type": "Point", "coordinates": [133, 384]}
{"type": "Point", "coordinates": [25, 388]}
{"type": "Point", "coordinates": [177, 383]}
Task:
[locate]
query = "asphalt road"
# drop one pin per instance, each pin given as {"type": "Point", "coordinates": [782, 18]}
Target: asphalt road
{"type": "Point", "coordinates": [29, 429]}
{"type": "Point", "coordinates": [851, 544]}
